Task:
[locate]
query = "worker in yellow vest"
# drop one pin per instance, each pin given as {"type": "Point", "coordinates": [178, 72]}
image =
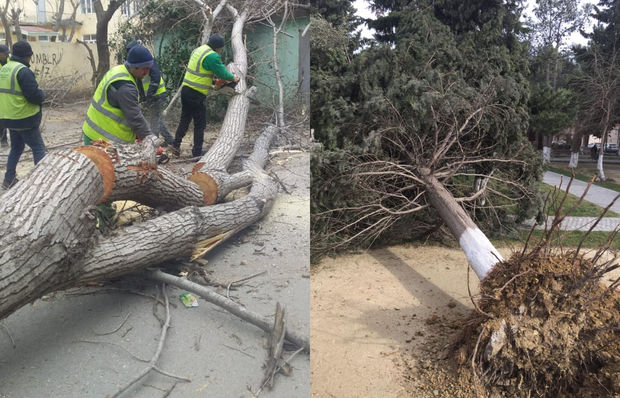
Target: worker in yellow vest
{"type": "Point", "coordinates": [114, 113]}
{"type": "Point", "coordinates": [153, 98]}
{"type": "Point", "coordinates": [4, 58]}
{"type": "Point", "coordinates": [20, 109]}
{"type": "Point", "coordinates": [204, 64]}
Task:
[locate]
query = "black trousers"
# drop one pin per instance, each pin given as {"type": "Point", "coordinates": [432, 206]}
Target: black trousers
{"type": "Point", "coordinates": [193, 107]}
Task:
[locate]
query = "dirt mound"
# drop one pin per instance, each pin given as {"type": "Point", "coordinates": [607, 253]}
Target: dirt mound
{"type": "Point", "coordinates": [545, 326]}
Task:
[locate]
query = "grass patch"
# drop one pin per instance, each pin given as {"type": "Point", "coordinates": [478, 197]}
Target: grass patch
{"type": "Point", "coordinates": [563, 238]}
{"type": "Point", "coordinates": [584, 177]}
{"type": "Point", "coordinates": [585, 209]}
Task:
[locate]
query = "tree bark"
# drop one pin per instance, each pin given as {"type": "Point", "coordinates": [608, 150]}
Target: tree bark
{"type": "Point", "coordinates": [546, 151]}
{"type": "Point", "coordinates": [575, 148]}
{"type": "Point", "coordinates": [574, 160]}
{"type": "Point", "coordinates": [103, 49]}
{"type": "Point", "coordinates": [4, 12]}
{"type": "Point", "coordinates": [58, 17]}
{"type": "Point", "coordinates": [48, 235]}
{"type": "Point", "coordinates": [480, 252]}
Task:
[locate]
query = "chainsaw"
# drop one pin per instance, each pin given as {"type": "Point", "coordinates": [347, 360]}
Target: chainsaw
{"type": "Point", "coordinates": [225, 87]}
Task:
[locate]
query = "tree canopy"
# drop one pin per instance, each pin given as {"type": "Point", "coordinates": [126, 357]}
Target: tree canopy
{"type": "Point", "coordinates": [436, 67]}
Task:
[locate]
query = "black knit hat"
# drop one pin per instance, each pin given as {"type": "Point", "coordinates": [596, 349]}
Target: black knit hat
{"type": "Point", "coordinates": [4, 49]}
{"type": "Point", "coordinates": [139, 57]}
{"type": "Point", "coordinates": [216, 41]}
{"type": "Point", "coordinates": [22, 49]}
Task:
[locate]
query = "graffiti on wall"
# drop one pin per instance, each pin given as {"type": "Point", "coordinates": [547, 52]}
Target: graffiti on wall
{"type": "Point", "coordinates": [44, 62]}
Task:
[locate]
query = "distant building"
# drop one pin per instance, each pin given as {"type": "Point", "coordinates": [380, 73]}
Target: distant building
{"type": "Point", "coordinates": [38, 21]}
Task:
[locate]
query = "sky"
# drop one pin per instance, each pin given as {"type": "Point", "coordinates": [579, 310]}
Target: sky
{"type": "Point", "coordinates": [364, 11]}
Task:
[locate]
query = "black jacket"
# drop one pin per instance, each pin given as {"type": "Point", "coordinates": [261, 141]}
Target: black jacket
{"type": "Point", "coordinates": [155, 75]}
{"type": "Point", "coordinates": [32, 92]}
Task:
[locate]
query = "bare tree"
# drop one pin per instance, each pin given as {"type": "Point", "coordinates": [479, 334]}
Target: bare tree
{"type": "Point", "coordinates": [4, 18]}
{"type": "Point", "coordinates": [9, 16]}
{"type": "Point", "coordinates": [598, 89]}
{"type": "Point", "coordinates": [276, 66]}
{"type": "Point", "coordinates": [60, 23]}
{"type": "Point", "coordinates": [14, 15]}
{"type": "Point", "coordinates": [103, 49]}
{"type": "Point", "coordinates": [58, 15]}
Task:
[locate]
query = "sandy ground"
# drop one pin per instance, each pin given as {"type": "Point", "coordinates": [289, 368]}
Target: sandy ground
{"type": "Point", "coordinates": [381, 318]}
{"type": "Point", "coordinates": [369, 314]}
{"type": "Point", "coordinates": [82, 344]}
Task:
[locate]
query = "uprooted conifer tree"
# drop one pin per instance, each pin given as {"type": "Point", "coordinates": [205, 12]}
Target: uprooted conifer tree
{"type": "Point", "coordinates": [49, 240]}
{"type": "Point", "coordinates": [422, 135]}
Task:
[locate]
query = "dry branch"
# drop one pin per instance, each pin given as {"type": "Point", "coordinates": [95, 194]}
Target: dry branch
{"type": "Point", "coordinates": [229, 305]}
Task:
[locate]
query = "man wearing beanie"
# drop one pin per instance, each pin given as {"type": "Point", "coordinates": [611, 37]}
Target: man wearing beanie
{"type": "Point", "coordinates": [4, 58]}
{"type": "Point", "coordinates": [152, 92]}
{"type": "Point", "coordinates": [114, 113]}
{"type": "Point", "coordinates": [203, 64]}
{"type": "Point", "coordinates": [20, 109]}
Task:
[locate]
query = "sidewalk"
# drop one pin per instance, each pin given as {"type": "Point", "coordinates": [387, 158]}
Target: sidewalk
{"type": "Point", "coordinates": [597, 195]}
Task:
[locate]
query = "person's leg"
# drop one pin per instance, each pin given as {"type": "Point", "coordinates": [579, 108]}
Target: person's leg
{"type": "Point", "coordinates": [149, 115]}
{"type": "Point", "coordinates": [186, 117]}
{"type": "Point", "coordinates": [34, 140]}
{"type": "Point", "coordinates": [200, 122]}
{"type": "Point", "coordinates": [17, 148]}
{"type": "Point", "coordinates": [87, 139]}
{"type": "Point", "coordinates": [160, 124]}
{"type": "Point", "coordinates": [4, 133]}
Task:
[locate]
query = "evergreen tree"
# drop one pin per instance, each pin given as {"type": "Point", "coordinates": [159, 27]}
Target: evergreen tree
{"type": "Point", "coordinates": [438, 62]}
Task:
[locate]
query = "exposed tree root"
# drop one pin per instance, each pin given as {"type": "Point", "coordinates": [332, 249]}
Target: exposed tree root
{"type": "Point", "coordinates": [554, 330]}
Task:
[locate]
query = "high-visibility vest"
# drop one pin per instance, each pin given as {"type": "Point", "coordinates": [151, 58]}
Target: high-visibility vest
{"type": "Point", "coordinates": [196, 76]}
{"type": "Point", "coordinates": [104, 121]}
{"type": "Point", "coordinates": [13, 104]}
{"type": "Point", "coordinates": [146, 82]}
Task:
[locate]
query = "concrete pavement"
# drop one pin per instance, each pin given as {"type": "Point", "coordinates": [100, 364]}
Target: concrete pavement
{"type": "Point", "coordinates": [597, 195]}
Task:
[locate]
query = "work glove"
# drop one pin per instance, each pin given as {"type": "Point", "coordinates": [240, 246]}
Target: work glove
{"type": "Point", "coordinates": [150, 100]}
{"type": "Point", "coordinates": [150, 145]}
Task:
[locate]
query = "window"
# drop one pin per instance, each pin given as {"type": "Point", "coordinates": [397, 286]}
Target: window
{"type": "Point", "coordinates": [44, 38]}
{"type": "Point", "coordinates": [86, 6]}
{"type": "Point", "coordinates": [32, 38]}
{"type": "Point", "coordinates": [128, 8]}
{"type": "Point", "coordinates": [89, 38]}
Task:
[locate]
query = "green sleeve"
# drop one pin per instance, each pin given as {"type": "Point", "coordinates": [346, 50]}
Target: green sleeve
{"type": "Point", "coordinates": [214, 62]}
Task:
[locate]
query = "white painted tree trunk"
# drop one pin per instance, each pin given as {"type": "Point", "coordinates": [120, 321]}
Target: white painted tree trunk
{"type": "Point", "coordinates": [574, 160]}
{"type": "Point", "coordinates": [480, 252]}
{"type": "Point", "coordinates": [599, 165]}
{"type": "Point", "coordinates": [546, 154]}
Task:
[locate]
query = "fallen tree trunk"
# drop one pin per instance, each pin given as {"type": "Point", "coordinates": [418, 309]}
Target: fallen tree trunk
{"type": "Point", "coordinates": [48, 235]}
{"type": "Point", "coordinates": [480, 252]}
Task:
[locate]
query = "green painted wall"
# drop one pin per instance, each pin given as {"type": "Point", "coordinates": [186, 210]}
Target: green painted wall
{"type": "Point", "coordinates": [293, 59]}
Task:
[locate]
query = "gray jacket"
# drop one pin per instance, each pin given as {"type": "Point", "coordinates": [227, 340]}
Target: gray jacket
{"type": "Point", "coordinates": [124, 95]}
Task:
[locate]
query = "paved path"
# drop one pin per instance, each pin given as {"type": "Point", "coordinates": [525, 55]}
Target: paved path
{"type": "Point", "coordinates": [597, 195]}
